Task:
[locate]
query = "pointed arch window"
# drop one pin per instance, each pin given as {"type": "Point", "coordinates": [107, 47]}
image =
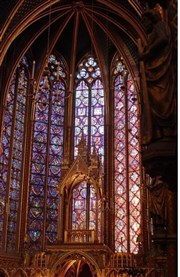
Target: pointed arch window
{"type": "Point", "coordinates": [47, 151]}
{"type": "Point", "coordinates": [84, 207]}
{"type": "Point", "coordinates": [127, 172]}
{"type": "Point", "coordinates": [86, 211]}
{"type": "Point", "coordinates": [89, 106]}
{"type": "Point", "coordinates": [89, 121]}
{"type": "Point", "coordinates": [12, 158]}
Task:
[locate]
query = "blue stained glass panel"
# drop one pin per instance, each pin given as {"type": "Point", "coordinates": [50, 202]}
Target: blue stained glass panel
{"type": "Point", "coordinates": [47, 153]}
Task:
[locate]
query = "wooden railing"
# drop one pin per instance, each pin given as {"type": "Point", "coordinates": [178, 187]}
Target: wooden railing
{"type": "Point", "coordinates": [79, 236]}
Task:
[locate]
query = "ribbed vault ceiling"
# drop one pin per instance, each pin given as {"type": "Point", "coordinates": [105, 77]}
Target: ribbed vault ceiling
{"type": "Point", "coordinates": [71, 28]}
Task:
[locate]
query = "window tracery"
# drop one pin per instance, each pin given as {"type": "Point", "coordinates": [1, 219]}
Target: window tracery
{"type": "Point", "coordinates": [11, 160]}
{"type": "Point", "coordinates": [47, 151]}
{"type": "Point", "coordinates": [47, 154]}
{"type": "Point", "coordinates": [89, 106]}
{"type": "Point", "coordinates": [126, 160]}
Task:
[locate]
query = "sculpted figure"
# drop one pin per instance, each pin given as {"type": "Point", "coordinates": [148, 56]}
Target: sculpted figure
{"type": "Point", "coordinates": [158, 197]}
{"type": "Point", "coordinates": [158, 193]}
{"type": "Point", "coordinates": [160, 80]}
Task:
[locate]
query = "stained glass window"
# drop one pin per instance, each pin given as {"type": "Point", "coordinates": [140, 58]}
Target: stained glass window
{"type": "Point", "coordinates": [89, 120]}
{"type": "Point", "coordinates": [84, 197]}
{"type": "Point", "coordinates": [86, 208]}
{"type": "Point", "coordinates": [89, 106]}
{"type": "Point", "coordinates": [11, 160]}
{"type": "Point", "coordinates": [47, 151]}
{"type": "Point", "coordinates": [126, 161]}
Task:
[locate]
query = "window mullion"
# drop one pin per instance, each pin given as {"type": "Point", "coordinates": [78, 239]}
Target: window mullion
{"type": "Point", "coordinates": [89, 121]}
{"type": "Point", "coordinates": [10, 162]}
{"type": "Point", "coordinates": [127, 159]}
{"type": "Point", "coordinates": [47, 169]}
{"type": "Point", "coordinates": [19, 226]}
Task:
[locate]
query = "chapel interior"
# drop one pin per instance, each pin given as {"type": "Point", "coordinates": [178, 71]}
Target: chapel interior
{"type": "Point", "coordinates": [88, 138]}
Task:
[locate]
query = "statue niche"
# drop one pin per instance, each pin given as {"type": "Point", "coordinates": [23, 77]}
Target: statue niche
{"type": "Point", "coordinates": [80, 189]}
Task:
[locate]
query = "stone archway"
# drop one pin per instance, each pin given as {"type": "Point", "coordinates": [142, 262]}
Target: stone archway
{"type": "Point", "coordinates": [77, 264]}
{"type": "Point", "coordinates": [79, 268]}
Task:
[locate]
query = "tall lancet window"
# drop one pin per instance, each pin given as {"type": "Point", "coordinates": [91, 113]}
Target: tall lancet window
{"type": "Point", "coordinates": [47, 151]}
{"type": "Point", "coordinates": [126, 161]}
{"type": "Point", "coordinates": [89, 120]}
{"type": "Point", "coordinates": [12, 159]}
{"type": "Point", "coordinates": [89, 106]}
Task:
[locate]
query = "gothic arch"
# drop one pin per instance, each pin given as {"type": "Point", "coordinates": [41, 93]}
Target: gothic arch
{"type": "Point", "coordinates": [73, 255]}
{"type": "Point", "coordinates": [19, 272]}
{"type": "Point", "coordinates": [77, 178]}
{"type": "Point", "coordinates": [3, 273]}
